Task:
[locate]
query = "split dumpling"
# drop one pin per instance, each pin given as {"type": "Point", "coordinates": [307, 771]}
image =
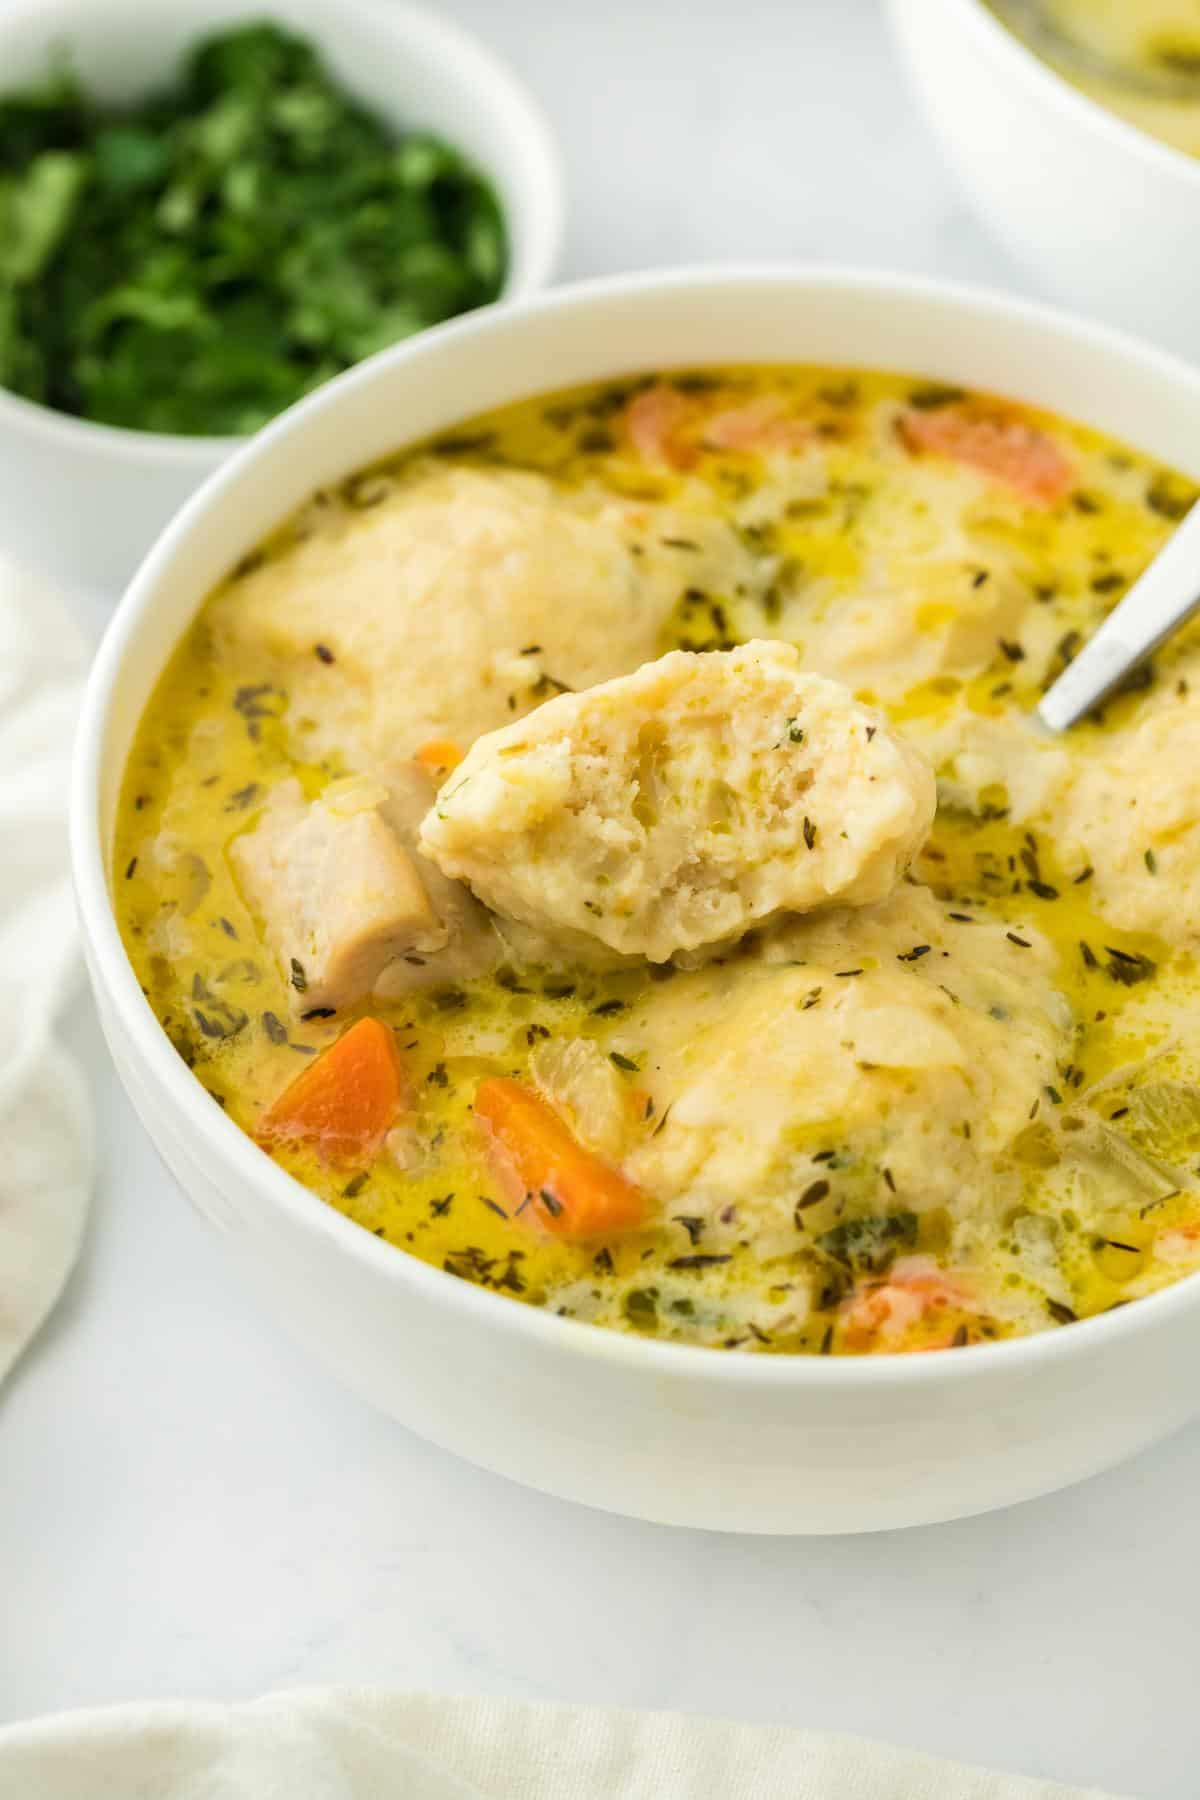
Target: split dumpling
{"type": "Point", "coordinates": [681, 806]}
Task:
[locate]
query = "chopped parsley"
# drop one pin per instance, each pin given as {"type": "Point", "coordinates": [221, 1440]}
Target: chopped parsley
{"type": "Point", "coordinates": [197, 261]}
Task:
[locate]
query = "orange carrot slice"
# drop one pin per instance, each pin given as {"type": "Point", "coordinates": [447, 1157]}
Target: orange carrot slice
{"type": "Point", "coordinates": [344, 1102]}
{"type": "Point", "coordinates": [762, 424]}
{"type": "Point", "coordinates": [995, 442]}
{"type": "Point", "coordinates": [440, 755]}
{"type": "Point", "coordinates": [885, 1315]}
{"type": "Point", "coordinates": [548, 1174]}
{"type": "Point", "coordinates": [654, 420]}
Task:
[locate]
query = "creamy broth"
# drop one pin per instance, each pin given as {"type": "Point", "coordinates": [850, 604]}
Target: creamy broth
{"type": "Point", "coordinates": [1146, 42]}
{"type": "Point", "coordinates": [964, 1112]}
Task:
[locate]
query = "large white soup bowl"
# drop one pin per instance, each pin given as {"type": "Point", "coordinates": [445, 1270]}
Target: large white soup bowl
{"type": "Point", "coordinates": [685, 1435]}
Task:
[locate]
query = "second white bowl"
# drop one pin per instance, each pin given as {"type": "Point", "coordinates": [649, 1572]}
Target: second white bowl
{"type": "Point", "coordinates": [1103, 215]}
{"type": "Point", "coordinates": [82, 502]}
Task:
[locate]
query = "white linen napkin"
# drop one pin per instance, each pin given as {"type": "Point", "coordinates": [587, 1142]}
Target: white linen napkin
{"type": "Point", "coordinates": [368, 1744]}
{"type": "Point", "coordinates": [45, 1120]}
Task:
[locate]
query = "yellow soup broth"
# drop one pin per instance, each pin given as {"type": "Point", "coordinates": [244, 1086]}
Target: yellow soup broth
{"type": "Point", "coordinates": [968, 1113]}
{"type": "Point", "coordinates": [1138, 58]}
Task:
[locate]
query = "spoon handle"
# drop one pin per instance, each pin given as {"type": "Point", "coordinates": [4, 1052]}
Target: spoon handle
{"type": "Point", "coordinates": [1165, 598]}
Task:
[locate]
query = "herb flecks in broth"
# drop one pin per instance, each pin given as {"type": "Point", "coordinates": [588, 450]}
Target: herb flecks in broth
{"type": "Point", "coordinates": [963, 1113]}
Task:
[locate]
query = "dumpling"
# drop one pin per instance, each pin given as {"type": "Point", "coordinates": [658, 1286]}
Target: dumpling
{"type": "Point", "coordinates": [681, 806]}
{"type": "Point", "coordinates": [459, 601]}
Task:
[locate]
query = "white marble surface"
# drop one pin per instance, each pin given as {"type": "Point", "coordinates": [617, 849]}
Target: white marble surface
{"type": "Point", "coordinates": [189, 1506]}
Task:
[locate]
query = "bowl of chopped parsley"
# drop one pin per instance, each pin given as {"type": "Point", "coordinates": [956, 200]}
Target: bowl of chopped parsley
{"type": "Point", "coordinates": [206, 213]}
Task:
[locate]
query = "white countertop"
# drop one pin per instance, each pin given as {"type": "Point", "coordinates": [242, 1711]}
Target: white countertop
{"type": "Point", "coordinates": [188, 1505]}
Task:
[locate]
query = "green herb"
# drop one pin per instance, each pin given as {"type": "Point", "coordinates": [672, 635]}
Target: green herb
{"type": "Point", "coordinates": [1127, 968]}
{"type": "Point", "coordinates": [935, 396]}
{"type": "Point", "coordinates": [623, 1062]}
{"type": "Point", "coordinates": [815, 1192]}
{"type": "Point", "coordinates": [216, 1018]}
{"type": "Point", "coordinates": [197, 261]}
{"type": "Point", "coordinates": [1170, 496]}
{"type": "Point", "coordinates": [641, 1308]}
{"type": "Point", "coordinates": [870, 1244]}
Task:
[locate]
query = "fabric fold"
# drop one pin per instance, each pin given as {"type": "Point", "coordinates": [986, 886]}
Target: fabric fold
{"type": "Point", "coordinates": [45, 1116]}
{"type": "Point", "coordinates": [365, 1744]}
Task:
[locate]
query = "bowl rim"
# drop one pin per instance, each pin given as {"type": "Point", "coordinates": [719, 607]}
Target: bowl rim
{"type": "Point", "coordinates": [227, 1145]}
{"type": "Point", "coordinates": [541, 205]}
{"type": "Point", "coordinates": [1000, 40]}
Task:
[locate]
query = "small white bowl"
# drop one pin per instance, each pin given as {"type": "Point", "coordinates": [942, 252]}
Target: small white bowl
{"type": "Point", "coordinates": [668, 1432]}
{"type": "Point", "coordinates": [1104, 215]}
{"type": "Point", "coordinates": [81, 501]}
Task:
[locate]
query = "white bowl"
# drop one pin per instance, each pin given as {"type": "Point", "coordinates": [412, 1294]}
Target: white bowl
{"type": "Point", "coordinates": [83, 502]}
{"type": "Point", "coordinates": [1104, 215]}
{"type": "Point", "coordinates": [686, 1435]}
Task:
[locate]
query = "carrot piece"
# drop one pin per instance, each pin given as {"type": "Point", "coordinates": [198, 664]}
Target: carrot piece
{"type": "Point", "coordinates": [344, 1102]}
{"type": "Point", "coordinates": [889, 1314]}
{"type": "Point", "coordinates": [655, 420]}
{"type": "Point", "coordinates": [440, 756]}
{"type": "Point", "coordinates": [550, 1176]}
{"type": "Point", "coordinates": [997, 443]}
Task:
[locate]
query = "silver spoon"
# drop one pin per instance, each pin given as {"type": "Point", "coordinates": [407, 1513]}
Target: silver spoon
{"type": "Point", "coordinates": [1165, 597]}
{"type": "Point", "coordinates": [1168, 81]}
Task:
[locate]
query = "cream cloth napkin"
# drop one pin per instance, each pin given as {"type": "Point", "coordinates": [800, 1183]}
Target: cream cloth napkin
{"type": "Point", "coordinates": [367, 1744]}
{"type": "Point", "coordinates": [45, 1121]}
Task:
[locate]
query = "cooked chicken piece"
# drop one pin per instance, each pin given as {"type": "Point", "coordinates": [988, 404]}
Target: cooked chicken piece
{"type": "Point", "coordinates": [471, 945]}
{"type": "Point", "coordinates": [339, 896]}
{"type": "Point", "coordinates": [679, 807]}
{"type": "Point", "coordinates": [349, 906]}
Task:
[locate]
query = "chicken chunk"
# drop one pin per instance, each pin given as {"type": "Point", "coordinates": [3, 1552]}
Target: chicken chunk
{"type": "Point", "coordinates": [349, 906]}
{"type": "Point", "coordinates": [472, 946]}
{"type": "Point", "coordinates": [679, 807]}
{"type": "Point", "coordinates": [339, 895]}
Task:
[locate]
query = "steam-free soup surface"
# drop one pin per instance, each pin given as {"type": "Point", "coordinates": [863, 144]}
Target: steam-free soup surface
{"type": "Point", "coordinates": [1138, 58]}
{"type": "Point", "coordinates": [961, 1111]}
